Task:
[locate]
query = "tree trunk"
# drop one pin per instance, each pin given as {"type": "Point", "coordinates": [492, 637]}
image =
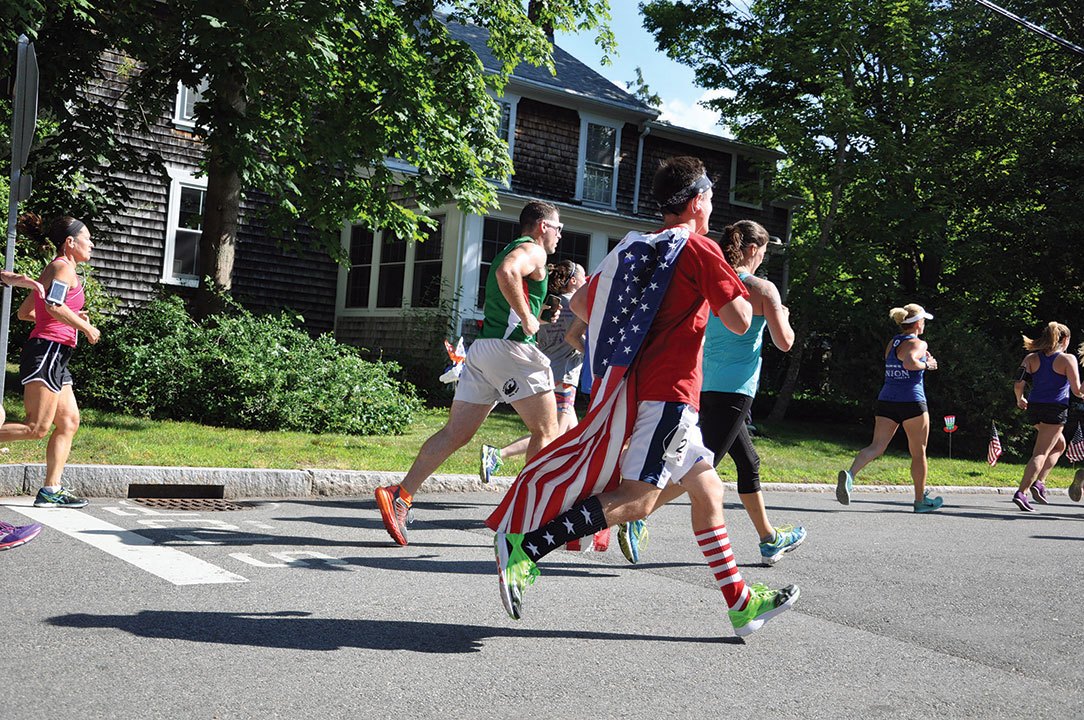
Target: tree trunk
{"type": "Point", "coordinates": [218, 242]}
{"type": "Point", "coordinates": [221, 209]}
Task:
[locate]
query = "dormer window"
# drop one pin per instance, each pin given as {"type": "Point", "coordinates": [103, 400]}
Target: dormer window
{"type": "Point", "coordinates": [600, 143]}
{"type": "Point", "coordinates": [507, 127]}
{"type": "Point", "coordinates": [184, 111]}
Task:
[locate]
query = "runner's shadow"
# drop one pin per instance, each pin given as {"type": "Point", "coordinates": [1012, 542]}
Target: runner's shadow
{"type": "Point", "coordinates": [294, 630]}
{"type": "Point", "coordinates": [429, 563]}
{"type": "Point", "coordinates": [174, 536]}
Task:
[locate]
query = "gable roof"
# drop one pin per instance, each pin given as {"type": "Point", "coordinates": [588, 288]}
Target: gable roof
{"type": "Point", "coordinates": [572, 77]}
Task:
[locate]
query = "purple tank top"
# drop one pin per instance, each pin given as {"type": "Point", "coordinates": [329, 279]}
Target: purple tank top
{"type": "Point", "coordinates": [1048, 386]}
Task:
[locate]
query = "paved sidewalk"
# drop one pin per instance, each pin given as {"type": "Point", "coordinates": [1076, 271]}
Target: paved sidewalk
{"type": "Point", "coordinates": [113, 481]}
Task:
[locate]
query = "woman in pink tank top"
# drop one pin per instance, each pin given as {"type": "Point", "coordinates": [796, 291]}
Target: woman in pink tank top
{"type": "Point", "coordinates": [58, 318]}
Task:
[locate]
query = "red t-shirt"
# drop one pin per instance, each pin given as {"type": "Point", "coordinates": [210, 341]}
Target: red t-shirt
{"type": "Point", "coordinates": [669, 365]}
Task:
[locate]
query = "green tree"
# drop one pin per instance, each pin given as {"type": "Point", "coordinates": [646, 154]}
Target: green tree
{"type": "Point", "coordinates": [916, 150]}
{"type": "Point", "coordinates": [306, 99]}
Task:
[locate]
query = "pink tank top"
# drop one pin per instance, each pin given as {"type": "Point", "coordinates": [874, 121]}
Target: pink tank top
{"type": "Point", "coordinates": [47, 327]}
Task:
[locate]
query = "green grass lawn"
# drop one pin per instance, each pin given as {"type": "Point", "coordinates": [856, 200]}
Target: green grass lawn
{"type": "Point", "coordinates": [790, 452]}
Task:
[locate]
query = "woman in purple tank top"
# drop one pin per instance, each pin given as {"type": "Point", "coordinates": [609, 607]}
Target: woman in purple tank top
{"type": "Point", "coordinates": [47, 383]}
{"type": "Point", "coordinates": [1053, 373]}
{"type": "Point", "coordinates": [902, 401]}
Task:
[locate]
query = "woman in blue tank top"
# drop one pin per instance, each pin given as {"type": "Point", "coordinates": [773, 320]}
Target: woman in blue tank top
{"type": "Point", "coordinates": [902, 401]}
{"type": "Point", "coordinates": [1052, 372]}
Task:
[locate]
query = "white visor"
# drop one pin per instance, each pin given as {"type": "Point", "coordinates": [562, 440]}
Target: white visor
{"type": "Point", "coordinates": [915, 318]}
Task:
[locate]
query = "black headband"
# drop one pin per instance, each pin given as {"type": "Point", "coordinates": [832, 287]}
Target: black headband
{"type": "Point", "coordinates": [74, 228]}
{"type": "Point", "coordinates": [687, 193]}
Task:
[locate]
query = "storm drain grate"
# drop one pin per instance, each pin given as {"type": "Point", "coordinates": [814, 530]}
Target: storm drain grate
{"type": "Point", "coordinates": [201, 498]}
{"type": "Point", "coordinates": [196, 504]}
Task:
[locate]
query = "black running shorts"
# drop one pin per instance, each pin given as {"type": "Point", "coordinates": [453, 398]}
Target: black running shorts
{"type": "Point", "coordinates": [1048, 413]}
{"type": "Point", "coordinates": [46, 361]}
{"type": "Point", "coordinates": [897, 412]}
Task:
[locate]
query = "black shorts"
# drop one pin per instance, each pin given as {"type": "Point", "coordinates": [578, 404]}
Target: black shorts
{"type": "Point", "coordinates": [1047, 413]}
{"type": "Point", "coordinates": [46, 361]}
{"type": "Point", "coordinates": [897, 412]}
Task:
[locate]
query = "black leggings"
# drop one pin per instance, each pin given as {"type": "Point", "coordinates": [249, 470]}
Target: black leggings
{"type": "Point", "coordinates": [722, 423]}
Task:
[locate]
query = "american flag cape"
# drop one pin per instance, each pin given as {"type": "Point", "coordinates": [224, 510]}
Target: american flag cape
{"type": "Point", "coordinates": [622, 301]}
{"type": "Point", "coordinates": [1075, 450]}
{"type": "Point", "coordinates": [993, 452]}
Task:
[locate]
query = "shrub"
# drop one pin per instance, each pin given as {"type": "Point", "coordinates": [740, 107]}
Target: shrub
{"type": "Point", "coordinates": [240, 370]}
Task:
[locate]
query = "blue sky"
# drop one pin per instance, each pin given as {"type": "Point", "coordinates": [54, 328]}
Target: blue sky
{"type": "Point", "coordinates": [672, 81]}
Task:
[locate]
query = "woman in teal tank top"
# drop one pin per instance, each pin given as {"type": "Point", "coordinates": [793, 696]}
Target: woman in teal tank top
{"type": "Point", "coordinates": [731, 376]}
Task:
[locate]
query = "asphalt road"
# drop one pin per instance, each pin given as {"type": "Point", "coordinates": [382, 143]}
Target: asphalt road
{"type": "Point", "coordinates": [303, 608]}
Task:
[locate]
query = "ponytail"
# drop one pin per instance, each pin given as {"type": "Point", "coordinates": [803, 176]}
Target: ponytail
{"type": "Point", "coordinates": [739, 236]}
{"type": "Point", "coordinates": [30, 225]}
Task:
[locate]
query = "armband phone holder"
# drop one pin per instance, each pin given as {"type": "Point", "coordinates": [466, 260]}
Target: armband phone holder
{"type": "Point", "coordinates": [58, 293]}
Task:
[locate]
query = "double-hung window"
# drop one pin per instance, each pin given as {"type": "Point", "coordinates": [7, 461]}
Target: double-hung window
{"type": "Point", "coordinates": [496, 233]}
{"type": "Point", "coordinates": [359, 276]}
{"type": "Point", "coordinates": [600, 145]}
{"type": "Point", "coordinates": [387, 272]}
{"type": "Point", "coordinates": [184, 227]}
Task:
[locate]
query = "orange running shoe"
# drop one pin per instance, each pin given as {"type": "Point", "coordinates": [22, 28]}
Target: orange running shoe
{"type": "Point", "coordinates": [395, 510]}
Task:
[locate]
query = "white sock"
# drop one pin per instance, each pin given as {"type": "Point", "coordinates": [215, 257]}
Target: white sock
{"type": "Point", "coordinates": [51, 488]}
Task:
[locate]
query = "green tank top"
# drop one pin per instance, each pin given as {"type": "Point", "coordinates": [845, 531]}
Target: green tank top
{"type": "Point", "coordinates": [500, 322]}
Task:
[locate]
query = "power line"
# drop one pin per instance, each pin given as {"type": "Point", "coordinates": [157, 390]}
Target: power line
{"type": "Point", "coordinates": [1032, 26]}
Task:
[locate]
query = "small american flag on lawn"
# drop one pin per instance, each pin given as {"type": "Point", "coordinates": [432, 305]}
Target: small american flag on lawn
{"type": "Point", "coordinates": [994, 451]}
{"type": "Point", "coordinates": [623, 297]}
{"type": "Point", "coordinates": [1075, 451]}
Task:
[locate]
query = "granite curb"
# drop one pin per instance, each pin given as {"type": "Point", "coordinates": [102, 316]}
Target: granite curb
{"type": "Point", "coordinates": [113, 481]}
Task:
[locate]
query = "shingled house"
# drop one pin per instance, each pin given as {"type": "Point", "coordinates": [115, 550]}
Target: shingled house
{"type": "Point", "coordinates": [576, 140]}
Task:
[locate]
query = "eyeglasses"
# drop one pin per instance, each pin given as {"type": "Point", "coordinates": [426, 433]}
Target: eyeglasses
{"type": "Point", "coordinates": [558, 226]}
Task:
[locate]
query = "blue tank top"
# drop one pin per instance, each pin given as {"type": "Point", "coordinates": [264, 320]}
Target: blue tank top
{"type": "Point", "coordinates": [901, 384]}
{"type": "Point", "coordinates": [1048, 386]}
{"type": "Point", "coordinates": [731, 361]}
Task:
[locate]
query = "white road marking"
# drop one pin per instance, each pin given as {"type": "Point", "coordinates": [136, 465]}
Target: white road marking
{"type": "Point", "coordinates": [289, 558]}
{"type": "Point", "coordinates": [167, 563]}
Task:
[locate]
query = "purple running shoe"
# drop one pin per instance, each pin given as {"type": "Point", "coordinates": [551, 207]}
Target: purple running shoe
{"type": "Point", "coordinates": [11, 536]}
{"type": "Point", "coordinates": [1038, 493]}
{"type": "Point", "coordinates": [1021, 501]}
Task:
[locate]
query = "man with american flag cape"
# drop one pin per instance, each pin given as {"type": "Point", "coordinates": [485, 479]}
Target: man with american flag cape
{"type": "Point", "coordinates": [646, 309]}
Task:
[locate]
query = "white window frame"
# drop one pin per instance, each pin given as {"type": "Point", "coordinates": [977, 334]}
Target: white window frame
{"type": "Point", "coordinates": [513, 102]}
{"type": "Point", "coordinates": [581, 165]}
{"type": "Point", "coordinates": [734, 184]}
{"type": "Point", "coordinates": [178, 178]}
{"type": "Point", "coordinates": [370, 308]}
{"type": "Point", "coordinates": [179, 119]}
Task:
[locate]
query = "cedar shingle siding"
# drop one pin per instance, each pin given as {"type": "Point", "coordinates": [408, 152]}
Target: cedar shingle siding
{"type": "Point", "coordinates": [546, 151]}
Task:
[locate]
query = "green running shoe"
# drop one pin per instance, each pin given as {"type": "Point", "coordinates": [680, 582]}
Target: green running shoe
{"type": "Point", "coordinates": [515, 571]}
{"type": "Point", "coordinates": [764, 604]}
{"type": "Point", "coordinates": [491, 462]}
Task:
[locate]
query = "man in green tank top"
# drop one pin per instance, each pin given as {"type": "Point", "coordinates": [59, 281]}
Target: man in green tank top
{"type": "Point", "coordinates": [503, 364]}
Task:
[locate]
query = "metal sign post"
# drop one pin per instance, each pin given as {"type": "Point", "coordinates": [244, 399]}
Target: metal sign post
{"type": "Point", "coordinates": [24, 118]}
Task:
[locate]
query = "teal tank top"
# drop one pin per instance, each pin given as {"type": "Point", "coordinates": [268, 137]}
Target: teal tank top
{"type": "Point", "coordinates": [731, 361]}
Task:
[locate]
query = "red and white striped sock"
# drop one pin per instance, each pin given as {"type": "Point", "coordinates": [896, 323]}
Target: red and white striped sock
{"type": "Point", "coordinates": [715, 544]}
